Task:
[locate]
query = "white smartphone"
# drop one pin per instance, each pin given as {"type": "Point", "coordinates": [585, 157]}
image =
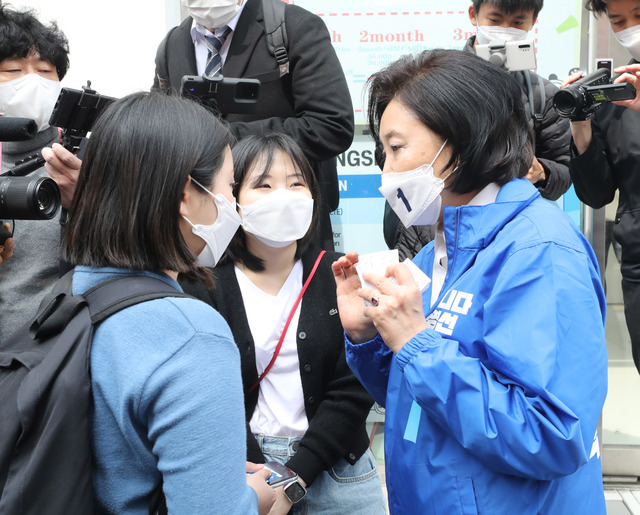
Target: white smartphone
{"type": "Point", "coordinates": [510, 55]}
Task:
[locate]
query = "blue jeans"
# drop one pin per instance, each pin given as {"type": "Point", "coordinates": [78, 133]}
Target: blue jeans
{"type": "Point", "coordinates": [344, 488]}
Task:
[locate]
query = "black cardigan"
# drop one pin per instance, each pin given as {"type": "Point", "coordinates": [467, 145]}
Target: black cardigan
{"type": "Point", "coordinates": [335, 402]}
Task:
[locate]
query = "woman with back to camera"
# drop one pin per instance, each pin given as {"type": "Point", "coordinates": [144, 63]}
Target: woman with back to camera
{"type": "Point", "coordinates": [166, 384]}
{"type": "Point", "coordinates": [307, 410]}
{"type": "Point", "coordinates": [494, 377]}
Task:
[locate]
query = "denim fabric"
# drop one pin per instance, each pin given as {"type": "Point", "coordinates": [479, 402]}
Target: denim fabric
{"type": "Point", "coordinates": [344, 488]}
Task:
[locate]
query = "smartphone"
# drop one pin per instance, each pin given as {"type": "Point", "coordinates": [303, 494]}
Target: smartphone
{"type": "Point", "coordinates": [605, 63]}
{"type": "Point", "coordinates": [510, 55]}
{"type": "Point", "coordinates": [223, 94]}
{"type": "Point", "coordinates": [281, 475]}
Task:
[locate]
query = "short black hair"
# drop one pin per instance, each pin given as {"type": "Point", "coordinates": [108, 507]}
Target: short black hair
{"type": "Point", "coordinates": [22, 34]}
{"type": "Point", "coordinates": [597, 6]}
{"type": "Point", "coordinates": [247, 153]}
{"type": "Point", "coordinates": [125, 211]}
{"type": "Point", "coordinates": [473, 104]}
{"type": "Point", "coordinates": [511, 6]}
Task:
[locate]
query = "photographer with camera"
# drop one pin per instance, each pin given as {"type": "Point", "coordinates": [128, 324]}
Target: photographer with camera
{"type": "Point", "coordinates": [605, 158]}
{"type": "Point", "coordinates": [33, 60]}
{"type": "Point", "coordinates": [304, 95]}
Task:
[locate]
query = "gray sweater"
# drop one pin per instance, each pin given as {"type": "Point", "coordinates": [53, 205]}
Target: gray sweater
{"type": "Point", "coordinates": [33, 269]}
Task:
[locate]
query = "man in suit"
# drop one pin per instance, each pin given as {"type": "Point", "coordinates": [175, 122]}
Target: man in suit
{"type": "Point", "coordinates": [310, 103]}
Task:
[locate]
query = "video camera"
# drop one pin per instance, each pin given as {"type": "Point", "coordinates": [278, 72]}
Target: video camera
{"type": "Point", "coordinates": [26, 198]}
{"type": "Point", "coordinates": [221, 94]}
{"type": "Point", "coordinates": [510, 55]}
{"type": "Point", "coordinates": [580, 100]}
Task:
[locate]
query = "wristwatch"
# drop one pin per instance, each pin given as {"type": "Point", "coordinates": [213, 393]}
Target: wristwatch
{"type": "Point", "coordinates": [295, 492]}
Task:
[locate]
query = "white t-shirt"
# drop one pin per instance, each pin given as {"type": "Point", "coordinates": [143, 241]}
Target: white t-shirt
{"type": "Point", "coordinates": [280, 409]}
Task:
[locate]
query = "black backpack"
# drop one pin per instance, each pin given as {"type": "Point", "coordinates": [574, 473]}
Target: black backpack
{"type": "Point", "coordinates": [45, 397]}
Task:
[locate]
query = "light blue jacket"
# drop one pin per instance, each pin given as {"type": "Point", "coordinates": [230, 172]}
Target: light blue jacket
{"type": "Point", "coordinates": [168, 405]}
{"type": "Point", "coordinates": [494, 408]}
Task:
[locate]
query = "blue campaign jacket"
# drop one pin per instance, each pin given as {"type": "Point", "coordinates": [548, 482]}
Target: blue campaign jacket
{"type": "Point", "coordinates": [494, 408]}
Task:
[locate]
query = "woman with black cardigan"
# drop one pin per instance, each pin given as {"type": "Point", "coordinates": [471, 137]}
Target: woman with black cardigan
{"type": "Point", "coordinates": [308, 410]}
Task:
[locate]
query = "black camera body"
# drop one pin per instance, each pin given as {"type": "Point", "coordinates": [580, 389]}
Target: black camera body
{"type": "Point", "coordinates": [579, 101]}
{"type": "Point", "coordinates": [223, 95]}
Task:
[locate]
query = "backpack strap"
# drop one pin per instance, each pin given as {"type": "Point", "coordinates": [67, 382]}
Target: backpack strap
{"type": "Point", "coordinates": [118, 293]}
{"type": "Point", "coordinates": [537, 98]}
{"type": "Point", "coordinates": [60, 306]}
{"type": "Point", "coordinates": [163, 57]}
{"type": "Point", "coordinates": [276, 30]}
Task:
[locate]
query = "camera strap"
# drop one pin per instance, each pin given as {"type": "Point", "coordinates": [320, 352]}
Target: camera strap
{"type": "Point", "coordinates": [286, 325]}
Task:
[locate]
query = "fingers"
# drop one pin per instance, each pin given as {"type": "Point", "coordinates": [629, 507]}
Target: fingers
{"type": "Point", "coordinates": [386, 286]}
{"type": "Point", "coordinates": [6, 251]}
{"type": "Point", "coordinates": [253, 467]}
{"type": "Point", "coordinates": [61, 159]}
{"type": "Point", "coordinates": [345, 265]}
{"type": "Point", "coordinates": [66, 156]}
{"type": "Point", "coordinates": [571, 78]}
{"type": "Point", "coordinates": [631, 78]}
{"type": "Point", "coordinates": [629, 68]}
{"type": "Point", "coordinates": [64, 168]}
{"type": "Point", "coordinates": [263, 473]}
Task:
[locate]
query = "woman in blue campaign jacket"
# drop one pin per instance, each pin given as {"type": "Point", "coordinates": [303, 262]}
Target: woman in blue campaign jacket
{"type": "Point", "coordinates": [494, 377]}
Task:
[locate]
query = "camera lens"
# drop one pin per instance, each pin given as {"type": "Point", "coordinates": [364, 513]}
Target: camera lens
{"type": "Point", "coordinates": [26, 198]}
{"type": "Point", "coordinates": [567, 101]}
{"type": "Point", "coordinates": [48, 198]}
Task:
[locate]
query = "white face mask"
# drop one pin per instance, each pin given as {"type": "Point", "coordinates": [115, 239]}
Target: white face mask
{"type": "Point", "coordinates": [415, 195]}
{"type": "Point", "coordinates": [279, 218]}
{"type": "Point", "coordinates": [30, 96]}
{"type": "Point", "coordinates": [217, 235]}
{"type": "Point", "coordinates": [630, 40]}
{"type": "Point", "coordinates": [485, 34]}
{"type": "Point", "coordinates": [212, 14]}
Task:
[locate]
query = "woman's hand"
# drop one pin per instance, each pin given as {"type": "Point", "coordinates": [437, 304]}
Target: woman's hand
{"type": "Point", "coordinates": [630, 74]}
{"type": "Point", "coordinates": [282, 504]}
{"type": "Point", "coordinates": [397, 314]}
{"type": "Point", "coordinates": [257, 477]}
{"type": "Point", "coordinates": [356, 324]}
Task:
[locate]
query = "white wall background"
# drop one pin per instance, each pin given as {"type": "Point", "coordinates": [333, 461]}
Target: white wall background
{"type": "Point", "coordinates": [113, 43]}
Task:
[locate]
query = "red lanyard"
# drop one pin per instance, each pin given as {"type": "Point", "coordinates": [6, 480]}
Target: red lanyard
{"type": "Point", "coordinates": [286, 326]}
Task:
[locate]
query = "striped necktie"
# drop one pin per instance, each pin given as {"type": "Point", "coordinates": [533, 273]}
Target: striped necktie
{"type": "Point", "coordinates": [214, 61]}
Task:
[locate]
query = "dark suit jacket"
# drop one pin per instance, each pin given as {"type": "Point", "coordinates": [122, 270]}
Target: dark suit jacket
{"type": "Point", "coordinates": [336, 404]}
{"type": "Point", "coordinates": [311, 103]}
